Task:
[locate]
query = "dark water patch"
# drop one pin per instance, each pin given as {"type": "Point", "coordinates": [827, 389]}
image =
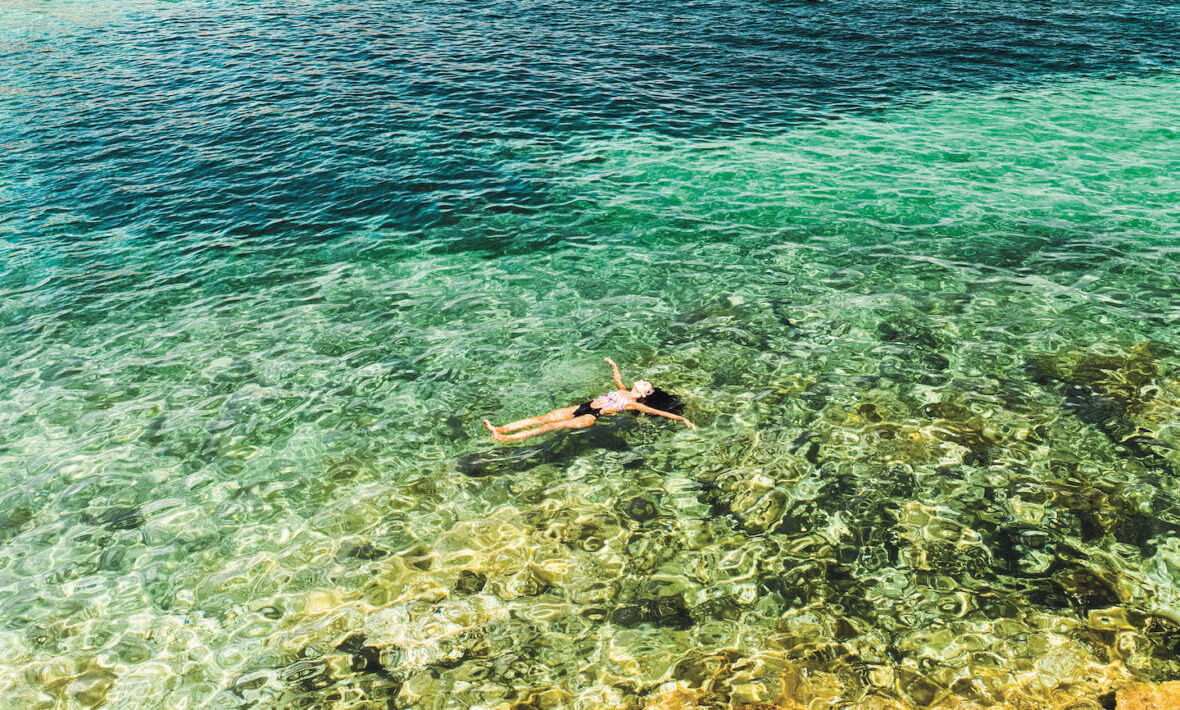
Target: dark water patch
{"type": "Point", "coordinates": [115, 518]}
{"type": "Point", "coordinates": [673, 612]}
{"type": "Point", "coordinates": [365, 551]}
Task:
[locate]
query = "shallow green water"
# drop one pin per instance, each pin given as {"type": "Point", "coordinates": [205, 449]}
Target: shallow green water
{"type": "Point", "coordinates": [930, 351]}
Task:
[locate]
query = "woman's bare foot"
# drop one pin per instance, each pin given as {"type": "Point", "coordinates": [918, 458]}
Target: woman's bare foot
{"type": "Point", "coordinates": [495, 434]}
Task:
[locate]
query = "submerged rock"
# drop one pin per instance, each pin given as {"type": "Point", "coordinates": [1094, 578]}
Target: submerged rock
{"type": "Point", "coordinates": [1141, 696]}
{"type": "Point", "coordinates": [470, 582]}
{"type": "Point", "coordinates": [1119, 376]}
{"type": "Point", "coordinates": [1102, 389]}
{"type": "Point", "coordinates": [910, 329]}
{"type": "Point", "coordinates": [677, 697]}
{"type": "Point", "coordinates": [1130, 395]}
{"type": "Point", "coordinates": [640, 509]}
{"type": "Point", "coordinates": [90, 689]}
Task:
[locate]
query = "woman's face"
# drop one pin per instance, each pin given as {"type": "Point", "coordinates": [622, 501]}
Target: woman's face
{"type": "Point", "coordinates": [642, 388]}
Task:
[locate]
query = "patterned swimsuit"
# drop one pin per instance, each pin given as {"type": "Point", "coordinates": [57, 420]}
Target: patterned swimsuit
{"type": "Point", "coordinates": [612, 402]}
{"type": "Point", "coordinates": [608, 403]}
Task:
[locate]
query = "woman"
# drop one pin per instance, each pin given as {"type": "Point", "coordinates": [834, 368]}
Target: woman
{"type": "Point", "coordinates": [586, 414]}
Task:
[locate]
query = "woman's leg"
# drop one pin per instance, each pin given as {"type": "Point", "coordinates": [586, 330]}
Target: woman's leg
{"type": "Point", "coordinates": [556, 415]}
{"type": "Point", "coordinates": [576, 423]}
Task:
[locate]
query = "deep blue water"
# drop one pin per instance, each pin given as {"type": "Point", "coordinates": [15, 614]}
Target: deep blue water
{"type": "Point", "coordinates": [261, 119]}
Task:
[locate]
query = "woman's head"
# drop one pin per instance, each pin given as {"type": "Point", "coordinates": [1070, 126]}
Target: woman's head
{"type": "Point", "coordinates": [641, 389]}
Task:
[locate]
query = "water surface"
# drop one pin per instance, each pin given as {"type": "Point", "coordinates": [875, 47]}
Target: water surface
{"type": "Point", "coordinates": [266, 267]}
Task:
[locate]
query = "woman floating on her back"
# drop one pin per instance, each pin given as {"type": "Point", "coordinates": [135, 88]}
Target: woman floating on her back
{"type": "Point", "coordinates": [582, 416]}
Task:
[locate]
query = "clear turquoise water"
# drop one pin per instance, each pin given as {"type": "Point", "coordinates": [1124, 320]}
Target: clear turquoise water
{"type": "Point", "coordinates": [265, 268]}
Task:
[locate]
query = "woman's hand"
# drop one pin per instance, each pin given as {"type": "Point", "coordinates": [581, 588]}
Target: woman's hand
{"type": "Point", "coordinates": [690, 425]}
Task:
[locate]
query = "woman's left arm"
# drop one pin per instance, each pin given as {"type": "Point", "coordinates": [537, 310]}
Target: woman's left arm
{"type": "Point", "coordinates": [649, 410]}
{"type": "Point", "coordinates": [615, 372]}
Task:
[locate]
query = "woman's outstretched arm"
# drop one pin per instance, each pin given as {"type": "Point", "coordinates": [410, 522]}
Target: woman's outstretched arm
{"type": "Point", "coordinates": [648, 410]}
{"type": "Point", "coordinates": [618, 376]}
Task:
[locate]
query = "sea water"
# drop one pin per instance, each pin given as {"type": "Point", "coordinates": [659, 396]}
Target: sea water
{"type": "Point", "coordinates": [266, 267]}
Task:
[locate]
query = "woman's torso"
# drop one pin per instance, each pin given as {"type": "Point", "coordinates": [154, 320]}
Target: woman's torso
{"type": "Point", "coordinates": [612, 402]}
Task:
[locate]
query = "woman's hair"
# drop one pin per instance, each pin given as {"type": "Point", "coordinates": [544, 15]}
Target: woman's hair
{"type": "Point", "coordinates": [661, 400]}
